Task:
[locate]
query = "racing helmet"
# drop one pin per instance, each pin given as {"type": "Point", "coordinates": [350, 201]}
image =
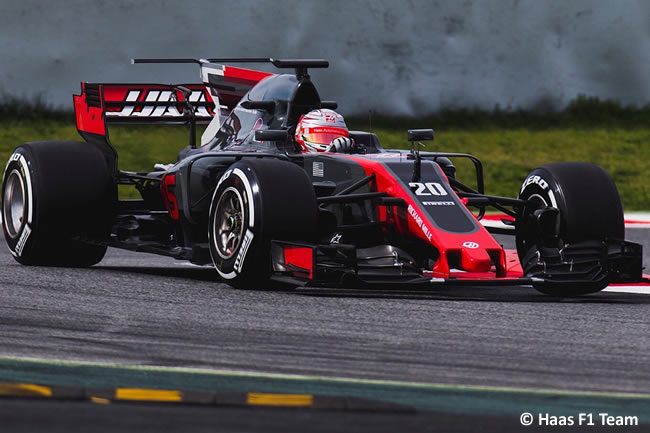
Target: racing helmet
{"type": "Point", "coordinates": [317, 129]}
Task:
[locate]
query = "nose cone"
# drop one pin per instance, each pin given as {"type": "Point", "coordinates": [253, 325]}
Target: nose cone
{"type": "Point", "coordinates": [475, 259]}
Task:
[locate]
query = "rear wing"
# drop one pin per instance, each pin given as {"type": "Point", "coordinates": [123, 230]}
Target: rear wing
{"type": "Point", "coordinates": [102, 103]}
{"type": "Point", "coordinates": [223, 87]}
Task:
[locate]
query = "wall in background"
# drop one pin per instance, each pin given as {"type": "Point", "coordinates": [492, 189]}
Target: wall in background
{"type": "Point", "coordinates": [395, 57]}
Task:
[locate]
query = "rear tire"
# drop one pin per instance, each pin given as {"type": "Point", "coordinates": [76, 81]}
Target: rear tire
{"type": "Point", "coordinates": [54, 196]}
{"type": "Point", "coordinates": [256, 201]}
{"type": "Point", "coordinates": [590, 210]}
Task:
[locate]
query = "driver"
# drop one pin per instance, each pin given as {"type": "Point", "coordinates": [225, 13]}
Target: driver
{"type": "Point", "coordinates": [323, 130]}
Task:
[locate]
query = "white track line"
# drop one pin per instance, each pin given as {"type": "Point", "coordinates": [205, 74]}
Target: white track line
{"type": "Point", "coordinates": [328, 379]}
{"type": "Point", "coordinates": [631, 222]}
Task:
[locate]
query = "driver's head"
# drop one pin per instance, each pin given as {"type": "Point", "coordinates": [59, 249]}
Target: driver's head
{"type": "Point", "coordinates": [318, 128]}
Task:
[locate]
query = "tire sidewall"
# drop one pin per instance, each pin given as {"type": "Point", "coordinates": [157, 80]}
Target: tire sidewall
{"type": "Point", "coordinates": [541, 186]}
{"type": "Point", "coordinates": [248, 252]}
{"type": "Point", "coordinates": [26, 240]}
{"type": "Point", "coordinates": [540, 183]}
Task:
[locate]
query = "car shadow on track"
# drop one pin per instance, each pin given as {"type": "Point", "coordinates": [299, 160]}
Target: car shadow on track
{"type": "Point", "coordinates": [456, 293]}
{"type": "Point", "coordinates": [190, 272]}
{"type": "Point", "coordinates": [481, 294]}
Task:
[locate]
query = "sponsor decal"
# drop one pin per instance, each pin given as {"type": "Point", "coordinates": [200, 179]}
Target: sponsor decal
{"type": "Point", "coordinates": [224, 177]}
{"type": "Point", "coordinates": [470, 245]}
{"type": "Point", "coordinates": [318, 169]}
{"type": "Point", "coordinates": [438, 203]}
{"type": "Point", "coordinates": [393, 155]}
{"type": "Point", "coordinates": [426, 231]}
{"type": "Point", "coordinates": [324, 129]}
{"type": "Point", "coordinates": [414, 214]}
{"type": "Point", "coordinates": [418, 220]}
{"type": "Point", "coordinates": [336, 239]}
{"type": "Point", "coordinates": [23, 240]}
{"type": "Point", "coordinates": [329, 117]}
{"type": "Point", "coordinates": [155, 96]}
{"type": "Point", "coordinates": [246, 242]}
{"type": "Point", "coordinates": [536, 180]}
{"type": "Point", "coordinates": [428, 188]}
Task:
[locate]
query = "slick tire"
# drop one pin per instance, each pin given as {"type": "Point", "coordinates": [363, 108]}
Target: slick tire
{"type": "Point", "coordinates": [256, 201]}
{"type": "Point", "coordinates": [54, 196]}
{"type": "Point", "coordinates": [590, 209]}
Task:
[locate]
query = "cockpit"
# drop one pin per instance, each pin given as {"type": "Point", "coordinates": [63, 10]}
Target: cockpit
{"type": "Point", "coordinates": [277, 102]}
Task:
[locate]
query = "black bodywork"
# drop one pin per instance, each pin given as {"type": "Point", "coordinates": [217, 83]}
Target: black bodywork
{"type": "Point", "coordinates": [348, 204]}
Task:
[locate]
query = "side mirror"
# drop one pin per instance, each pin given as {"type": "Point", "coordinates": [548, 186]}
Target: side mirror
{"type": "Point", "coordinates": [271, 135]}
{"type": "Point", "coordinates": [332, 105]}
{"type": "Point", "coordinates": [259, 105]}
{"type": "Point", "coordinates": [420, 134]}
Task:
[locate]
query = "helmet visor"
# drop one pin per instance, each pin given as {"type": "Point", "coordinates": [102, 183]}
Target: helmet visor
{"type": "Point", "coordinates": [323, 135]}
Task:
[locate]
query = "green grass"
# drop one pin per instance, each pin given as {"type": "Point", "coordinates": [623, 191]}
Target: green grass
{"type": "Point", "coordinates": [138, 147]}
{"type": "Point", "coordinates": [510, 144]}
{"type": "Point", "coordinates": [508, 155]}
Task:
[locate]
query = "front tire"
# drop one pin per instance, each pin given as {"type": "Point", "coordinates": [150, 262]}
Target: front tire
{"type": "Point", "coordinates": [255, 202]}
{"type": "Point", "coordinates": [55, 194]}
{"type": "Point", "coordinates": [590, 212]}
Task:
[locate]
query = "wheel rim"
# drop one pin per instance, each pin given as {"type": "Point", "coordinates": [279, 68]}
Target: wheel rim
{"type": "Point", "coordinates": [228, 226]}
{"type": "Point", "coordinates": [13, 204]}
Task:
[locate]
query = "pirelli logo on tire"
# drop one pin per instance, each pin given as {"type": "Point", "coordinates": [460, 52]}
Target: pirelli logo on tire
{"type": "Point", "coordinates": [23, 240]}
{"type": "Point", "coordinates": [536, 180]}
{"type": "Point", "coordinates": [246, 242]}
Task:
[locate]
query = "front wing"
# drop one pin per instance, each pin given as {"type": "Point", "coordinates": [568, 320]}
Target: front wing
{"type": "Point", "coordinates": [341, 265]}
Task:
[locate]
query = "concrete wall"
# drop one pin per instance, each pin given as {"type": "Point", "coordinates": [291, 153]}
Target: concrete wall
{"type": "Point", "coordinates": [392, 56]}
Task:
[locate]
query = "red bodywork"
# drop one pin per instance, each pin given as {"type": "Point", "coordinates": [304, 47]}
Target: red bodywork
{"type": "Point", "coordinates": [237, 81]}
{"type": "Point", "coordinates": [488, 260]}
{"type": "Point", "coordinates": [167, 187]}
{"type": "Point", "coordinates": [90, 115]}
{"type": "Point", "coordinates": [300, 260]}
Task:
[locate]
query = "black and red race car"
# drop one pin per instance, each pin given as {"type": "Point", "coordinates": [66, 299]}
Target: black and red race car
{"type": "Point", "coordinates": [247, 201]}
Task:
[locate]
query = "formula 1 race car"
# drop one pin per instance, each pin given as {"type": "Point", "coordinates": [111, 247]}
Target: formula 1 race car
{"type": "Point", "coordinates": [249, 202]}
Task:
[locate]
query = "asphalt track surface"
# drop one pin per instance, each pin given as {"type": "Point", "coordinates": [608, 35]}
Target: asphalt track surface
{"type": "Point", "coordinates": [140, 309]}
